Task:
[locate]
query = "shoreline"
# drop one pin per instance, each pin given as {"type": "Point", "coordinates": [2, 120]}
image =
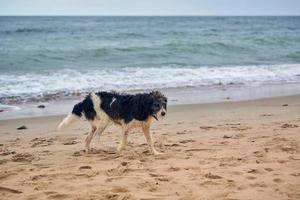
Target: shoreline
{"type": "Point", "coordinates": [176, 96]}
{"type": "Point", "coordinates": [275, 98]}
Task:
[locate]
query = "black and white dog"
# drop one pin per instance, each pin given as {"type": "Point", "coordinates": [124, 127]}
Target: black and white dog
{"type": "Point", "coordinates": [128, 111]}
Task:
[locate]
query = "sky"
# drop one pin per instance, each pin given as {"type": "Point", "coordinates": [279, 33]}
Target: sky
{"type": "Point", "coordinates": [150, 7]}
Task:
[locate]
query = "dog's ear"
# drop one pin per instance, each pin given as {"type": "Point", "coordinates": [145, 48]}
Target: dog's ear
{"type": "Point", "coordinates": [155, 94]}
{"type": "Point", "coordinates": [159, 95]}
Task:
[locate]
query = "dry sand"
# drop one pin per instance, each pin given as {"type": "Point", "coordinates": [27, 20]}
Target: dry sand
{"type": "Point", "coordinates": [230, 150]}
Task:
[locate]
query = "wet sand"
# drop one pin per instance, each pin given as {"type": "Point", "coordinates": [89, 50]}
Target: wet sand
{"type": "Point", "coordinates": [230, 150]}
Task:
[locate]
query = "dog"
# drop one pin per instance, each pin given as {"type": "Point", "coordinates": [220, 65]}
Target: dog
{"type": "Point", "coordinates": [126, 110]}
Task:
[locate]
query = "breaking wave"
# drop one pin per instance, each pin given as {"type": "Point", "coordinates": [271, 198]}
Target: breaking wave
{"type": "Point", "coordinates": [71, 81]}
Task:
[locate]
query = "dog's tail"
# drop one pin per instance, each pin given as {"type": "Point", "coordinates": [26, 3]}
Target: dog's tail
{"type": "Point", "coordinates": [72, 117]}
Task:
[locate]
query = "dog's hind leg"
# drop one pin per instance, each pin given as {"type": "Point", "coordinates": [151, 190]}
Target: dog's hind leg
{"type": "Point", "coordinates": [148, 135]}
{"type": "Point", "coordinates": [124, 140]}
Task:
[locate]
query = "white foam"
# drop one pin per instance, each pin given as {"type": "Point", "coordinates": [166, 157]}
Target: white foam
{"type": "Point", "coordinates": [8, 107]}
{"type": "Point", "coordinates": [135, 78]}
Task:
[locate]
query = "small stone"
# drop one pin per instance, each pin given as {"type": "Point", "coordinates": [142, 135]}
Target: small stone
{"type": "Point", "coordinates": [1, 110]}
{"type": "Point", "coordinates": [41, 106]}
{"type": "Point", "coordinates": [124, 163]}
{"type": "Point", "coordinates": [285, 104]}
{"type": "Point", "coordinates": [22, 127]}
{"type": "Point", "coordinates": [226, 136]}
{"type": "Point", "coordinates": [85, 167]}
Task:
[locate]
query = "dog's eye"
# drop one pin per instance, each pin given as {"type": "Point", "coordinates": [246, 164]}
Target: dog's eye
{"type": "Point", "coordinates": [156, 105]}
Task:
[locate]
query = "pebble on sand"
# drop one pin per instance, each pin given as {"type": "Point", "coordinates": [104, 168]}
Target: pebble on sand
{"type": "Point", "coordinates": [22, 127]}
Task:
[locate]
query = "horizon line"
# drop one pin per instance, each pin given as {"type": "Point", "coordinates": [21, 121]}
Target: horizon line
{"type": "Point", "coordinates": [297, 15]}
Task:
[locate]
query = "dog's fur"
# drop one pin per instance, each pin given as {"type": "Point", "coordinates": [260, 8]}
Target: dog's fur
{"type": "Point", "coordinates": [128, 111]}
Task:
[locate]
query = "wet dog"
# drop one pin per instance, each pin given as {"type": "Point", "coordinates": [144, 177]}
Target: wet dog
{"type": "Point", "coordinates": [126, 110]}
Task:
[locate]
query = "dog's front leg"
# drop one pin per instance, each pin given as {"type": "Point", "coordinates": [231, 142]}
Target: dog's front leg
{"type": "Point", "coordinates": [148, 135]}
{"type": "Point", "coordinates": [101, 127]}
{"type": "Point", "coordinates": [89, 139]}
{"type": "Point", "coordinates": [124, 140]}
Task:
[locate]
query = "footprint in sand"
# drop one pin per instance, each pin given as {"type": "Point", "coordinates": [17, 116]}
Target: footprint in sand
{"type": "Point", "coordinates": [42, 142]}
{"type": "Point", "coordinates": [174, 169]}
{"type": "Point", "coordinates": [117, 171]}
{"type": "Point", "coordinates": [259, 154]}
{"type": "Point", "coordinates": [209, 183]}
{"type": "Point", "coordinates": [277, 180]}
{"type": "Point", "coordinates": [160, 177]}
{"type": "Point", "coordinates": [237, 126]}
{"type": "Point", "coordinates": [259, 184]}
{"type": "Point", "coordinates": [199, 149]}
{"type": "Point", "coordinates": [251, 177]}
{"type": "Point", "coordinates": [55, 195]}
{"type": "Point", "coordinates": [171, 144]}
{"type": "Point", "coordinates": [22, 157]}
{"type": "Point", "coordinates": [288, 149]}
{"type": "Point", "coordinates": [78, 153]}
{"type": "Point", "coordinates": [4, 174]}
{"type": "Point", "coordinates": [295, 174]}
{"type": "Point", "coordinates": [289, 126]}
{"type": "Point", "coordinates": [180, 133]}
{"type": "Point", "coordinates": [268, 169]}
{"type": "Point", "coordinates": [231, 183]}
{"type": "Point", "coordinates": [118, 189]}
{"type": "Point", "coordinates": [212, 176]}
{"type": "Point", "coordinates": [207, 127]}
{"type": "Point", "coordinates": [252, 171]}
{"type": "Point", "coordinates": [186, 141]}
{"type": "Point", "coordinates": [238, 136]}
{"type": "Point", "coordinates": [70, 142]}
{"type": "Point", "coordinates": [115, 196]}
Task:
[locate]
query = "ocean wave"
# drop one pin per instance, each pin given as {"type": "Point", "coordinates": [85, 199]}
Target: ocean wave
{"type": "Point", "coordinates": [128, 35]}
{"type": "Point", "coordinates": [205, 47]}
{"type": "Point", "coordinates": [29, 30]}
{"type": "Point", "coordinates": [34, 86]}
{"type": "Point", "coordinates": [8, 107]}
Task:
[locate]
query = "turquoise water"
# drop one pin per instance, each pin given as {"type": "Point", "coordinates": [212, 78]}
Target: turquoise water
{"type": "Point", "coordinates": [55, 56]}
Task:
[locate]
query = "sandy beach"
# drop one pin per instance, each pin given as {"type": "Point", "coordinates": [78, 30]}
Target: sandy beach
{"type": "Point", "coordinates": [229, 150]}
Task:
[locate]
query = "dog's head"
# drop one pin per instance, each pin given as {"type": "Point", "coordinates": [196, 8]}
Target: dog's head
{"type": "Point", "coordinates": [158, 107]}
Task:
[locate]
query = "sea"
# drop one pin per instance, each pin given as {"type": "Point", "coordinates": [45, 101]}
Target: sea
{"type": "Point", "coordinates": [192, 59]}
